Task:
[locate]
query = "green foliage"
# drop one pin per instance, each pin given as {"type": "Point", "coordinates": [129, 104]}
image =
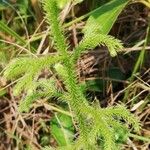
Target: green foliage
{"type": "Point", "coordinates": [52, 13]}
{"type": "Point", "coordinates": [42, 88]}
{"type": "Point", "coordinates": [9, 31]}
{"type": "Point", "coordinates": [95, 85]}
{"type": "Point", "coordinates": [3, 5]}
{"type": "Point", "coordinates": [62, 129]}
{"type": "Point", "coordinates": [23, 6]}
{"type": "Point", "coordinates": [91, 40]}
{"type": "Point", "coordinates": [109, 13]}
{"type": "Point", "coordinates": [98, 26]}
{"type": "Point", "coordinates": [93, 124]}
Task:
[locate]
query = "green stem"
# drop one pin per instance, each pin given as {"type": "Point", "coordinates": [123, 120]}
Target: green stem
{"type": "Point", "coordinates": [141, 138]}
{"type": "Point", "coordinates": [78, 19]}
{"type": "Point", "coordinates": [139, 62]}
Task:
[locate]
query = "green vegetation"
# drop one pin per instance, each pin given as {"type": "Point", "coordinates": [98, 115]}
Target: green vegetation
{"type": "Point", "coordinates": [51, 80]}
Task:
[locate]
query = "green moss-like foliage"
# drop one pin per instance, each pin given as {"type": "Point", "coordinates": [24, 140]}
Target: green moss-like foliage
{"type": "Point", "coordinates": [93, 123]}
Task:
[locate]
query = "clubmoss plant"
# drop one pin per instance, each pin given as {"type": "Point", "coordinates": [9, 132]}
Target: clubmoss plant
{"type": "Point", "coordinates": [94, 123]}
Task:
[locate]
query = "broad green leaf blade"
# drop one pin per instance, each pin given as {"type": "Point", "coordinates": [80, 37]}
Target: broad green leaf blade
{"type": "Point", "coordinates": [115, 74]}
{"type": "Point", "coordinates": [95, 85]}
{"type": "Point", "coordinates": [62, 129]}
{"type": "Point", "coordinates": [105, 16]}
